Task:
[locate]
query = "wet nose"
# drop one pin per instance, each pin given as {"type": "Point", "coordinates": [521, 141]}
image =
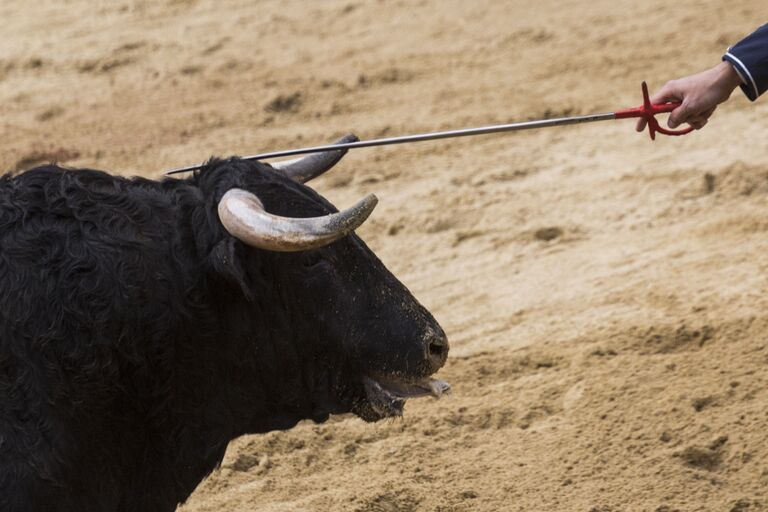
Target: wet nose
{"type": "Point", "coordinates": [437, 350]}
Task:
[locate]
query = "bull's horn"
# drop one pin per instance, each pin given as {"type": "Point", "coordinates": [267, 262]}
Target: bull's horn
{"type": "Point", "coordinates": [242, 214]}
{"type": "Point", "coordinates": [309, 167]}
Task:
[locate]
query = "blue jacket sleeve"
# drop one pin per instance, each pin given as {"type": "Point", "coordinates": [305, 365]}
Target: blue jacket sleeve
{"type": "Point", "coordinates": [749, 58]}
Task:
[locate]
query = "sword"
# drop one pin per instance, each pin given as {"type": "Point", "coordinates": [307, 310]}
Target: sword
{"type": "Point", "coordinates": [646, 111]}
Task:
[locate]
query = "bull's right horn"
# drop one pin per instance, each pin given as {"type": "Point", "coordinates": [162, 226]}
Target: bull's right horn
{"type": "Point", "coordinates": [311, 166]}
{"type": "Point", "coordinates": [243, 216]}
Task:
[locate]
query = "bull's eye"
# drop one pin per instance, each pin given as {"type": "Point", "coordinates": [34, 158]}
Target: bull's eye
{"type": "Point", "coordinates": [311, 259]}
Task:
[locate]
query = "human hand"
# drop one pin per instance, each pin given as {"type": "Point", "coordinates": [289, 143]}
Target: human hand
{"type": "Point", "coordinates": [698, 94]}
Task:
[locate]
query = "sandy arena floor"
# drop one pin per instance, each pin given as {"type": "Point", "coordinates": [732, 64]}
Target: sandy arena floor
{"type": "Point", "coordinates": [606, 297]}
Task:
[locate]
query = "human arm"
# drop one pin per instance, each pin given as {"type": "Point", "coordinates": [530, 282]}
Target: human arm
{"type": "Point", "coordinates": [745, 65]}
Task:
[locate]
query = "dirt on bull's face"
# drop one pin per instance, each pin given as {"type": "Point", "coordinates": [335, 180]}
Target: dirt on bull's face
{"type": "Point", "coordinates": [605, 296]}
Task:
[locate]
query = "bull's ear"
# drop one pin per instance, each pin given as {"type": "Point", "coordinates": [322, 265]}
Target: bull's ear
{"type": "Point", "coordinates": [227, 265]}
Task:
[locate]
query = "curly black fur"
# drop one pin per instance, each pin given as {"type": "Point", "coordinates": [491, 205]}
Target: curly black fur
{"type": "Point", "coordinates": [137, 338]}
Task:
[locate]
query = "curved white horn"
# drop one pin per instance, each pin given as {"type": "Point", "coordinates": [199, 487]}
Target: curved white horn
{"type": "Point", "coordinates": [311, 166]}
{"type": "Point", "coordinates": [242, 214]}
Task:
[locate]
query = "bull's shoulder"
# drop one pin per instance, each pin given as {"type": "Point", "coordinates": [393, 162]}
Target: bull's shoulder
{"type": "Point", "coordinates": [82, 250]}
{"type": "Point", "coordinates": [51, 194]}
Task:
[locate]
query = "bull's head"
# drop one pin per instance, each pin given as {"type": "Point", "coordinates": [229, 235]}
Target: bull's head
{"type": "Point", "coordinates": [366, 344]}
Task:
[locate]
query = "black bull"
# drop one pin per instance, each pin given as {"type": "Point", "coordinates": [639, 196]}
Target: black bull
{"type": "Point", "coordinates": [138, 336]}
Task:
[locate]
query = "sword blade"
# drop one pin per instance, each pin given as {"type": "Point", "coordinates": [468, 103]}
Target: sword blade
{"type": "Point", "coordinates": [449, 134]}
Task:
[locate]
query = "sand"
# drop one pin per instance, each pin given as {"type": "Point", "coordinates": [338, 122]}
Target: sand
{"type": "Point", "coordinates": [606, 297]}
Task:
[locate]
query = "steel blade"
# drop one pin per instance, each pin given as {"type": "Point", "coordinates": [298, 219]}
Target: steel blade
{"type": "Point", "coordinates": [465, 132]}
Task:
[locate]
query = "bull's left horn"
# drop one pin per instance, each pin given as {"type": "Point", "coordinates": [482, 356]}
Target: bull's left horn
{"type": "Point", "coordinates": [242, 214]}
{"type": "Point", "coordinates": [309, 167]}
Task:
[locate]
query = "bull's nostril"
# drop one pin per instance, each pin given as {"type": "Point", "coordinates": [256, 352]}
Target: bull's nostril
{"type": "Point", "coordinates": [436, 349]}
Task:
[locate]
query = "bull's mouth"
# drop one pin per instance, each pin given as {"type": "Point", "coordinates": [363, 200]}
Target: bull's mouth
{"type": "Point", "coordinates": [386, 396]}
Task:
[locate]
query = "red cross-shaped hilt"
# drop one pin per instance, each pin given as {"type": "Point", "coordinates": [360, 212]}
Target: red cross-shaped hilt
{"type": "Point", "coordinates": [648, 112]}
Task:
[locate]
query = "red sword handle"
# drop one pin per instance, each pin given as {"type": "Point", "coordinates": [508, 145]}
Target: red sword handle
{"type": "Point", "coordinates": [648, 112]}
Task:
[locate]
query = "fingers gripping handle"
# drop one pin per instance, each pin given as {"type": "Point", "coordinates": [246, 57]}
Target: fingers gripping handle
{"type": "Point", "coordinates": [648, 112]}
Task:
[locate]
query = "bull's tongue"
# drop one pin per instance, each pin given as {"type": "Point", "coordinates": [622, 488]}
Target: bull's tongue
{"type": "Point", "coordinates": [439, 388]}
{"type": "Point", "coordinates": [426, 387]}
